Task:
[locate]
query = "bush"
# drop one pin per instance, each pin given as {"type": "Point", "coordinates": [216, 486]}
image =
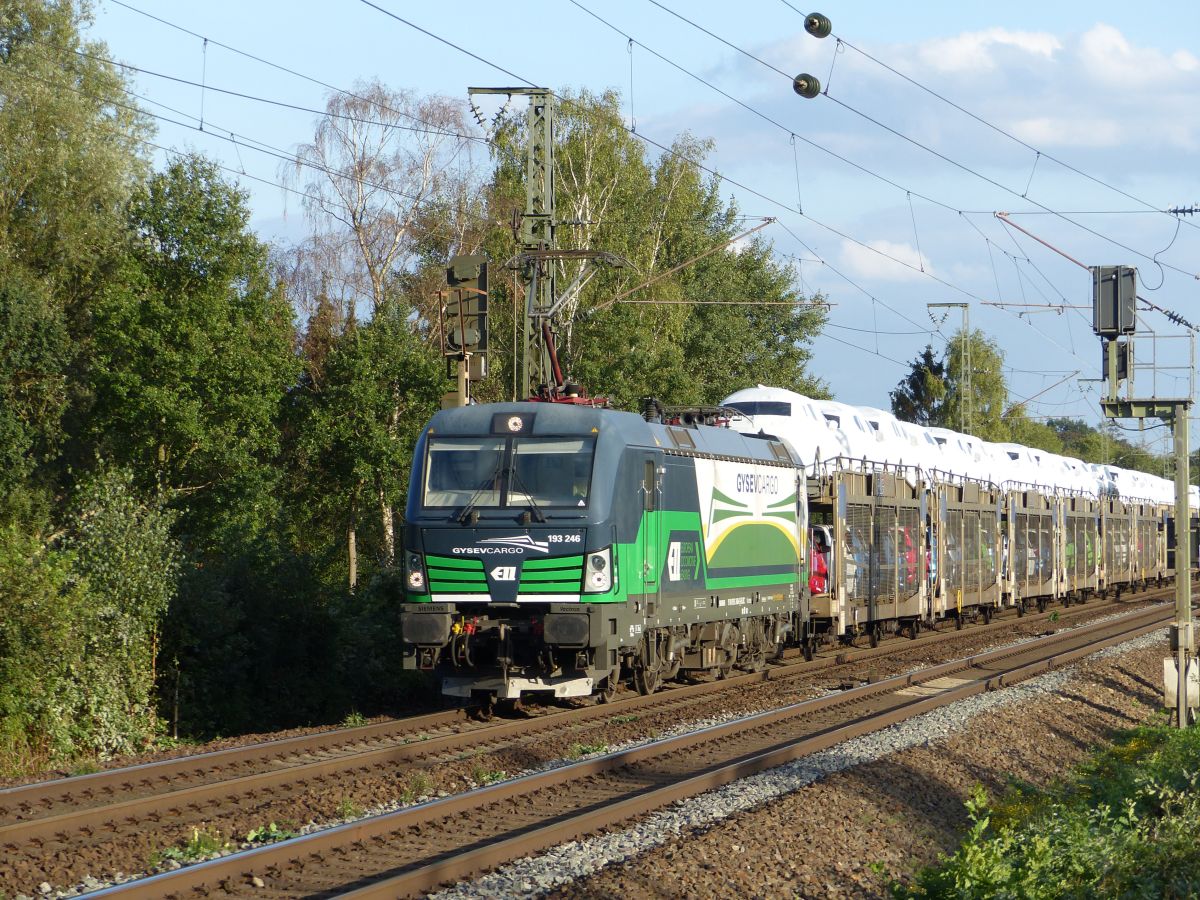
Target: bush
{"type": "Point", "coordinates": [123, 552]}
{"type": "Point", "coordinates": [1124, 826]}
{"type": "Point", "coordinates": [40, 643]}
{"type": "Point", "coordinates": [79, 625]}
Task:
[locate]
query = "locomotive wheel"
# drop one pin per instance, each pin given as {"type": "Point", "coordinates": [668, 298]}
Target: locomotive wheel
{"type": "Point", "coordinates": [612, 683]}
{"type": "Point", "coordinates": [646, 680]}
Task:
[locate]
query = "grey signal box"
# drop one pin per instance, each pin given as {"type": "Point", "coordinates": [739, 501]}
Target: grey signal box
{"type": "Point", "coordinates": [1114, 300]}
{"type": "Point", "coordinates": [466, 310]}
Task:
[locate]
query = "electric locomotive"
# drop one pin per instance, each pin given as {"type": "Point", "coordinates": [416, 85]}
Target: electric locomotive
{"type": "Point", "coordinates": [560, 548]}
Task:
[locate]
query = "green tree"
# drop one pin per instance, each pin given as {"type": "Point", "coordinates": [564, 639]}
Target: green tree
{"type": "Point", "coordinates": [920, 395]}
{"type": "Point", "coordinates": [354, 430]}
{"type": "Point", "coordinates": [1043, 435]}
{"type": "Point", "coordinates": [70, 144]}
{"type": "Point", "coordinates": [193, 354]}
{"type": "Point", "coordinates": [978, 410]}
{"type": "Point", "coordinates": [71, 152]}
{"type": "Point", "coordinates": [35, 351]}
{"type": "Point", "coordinates": [40, 639]}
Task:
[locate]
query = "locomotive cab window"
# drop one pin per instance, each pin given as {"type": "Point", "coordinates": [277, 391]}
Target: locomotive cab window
{"type": "Point", "coordinates": [550, 472]}
{"type": "Point", "coordinates": [461, 471]}
{"type": "Point", "coordinates": [509, 472]}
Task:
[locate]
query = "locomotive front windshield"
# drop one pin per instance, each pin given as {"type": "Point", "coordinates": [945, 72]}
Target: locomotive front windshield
{"type": "Point", "coordinates": [508, 472]}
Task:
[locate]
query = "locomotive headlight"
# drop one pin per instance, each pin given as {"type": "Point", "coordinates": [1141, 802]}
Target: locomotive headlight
{"type": "Point", "coordinates": [414, 577]}
{"type": "Point", "coordinates": [597, 576]}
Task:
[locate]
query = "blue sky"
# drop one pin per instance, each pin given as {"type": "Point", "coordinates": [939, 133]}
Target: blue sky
{"type": "Point", "coordinates": [1109, 89]}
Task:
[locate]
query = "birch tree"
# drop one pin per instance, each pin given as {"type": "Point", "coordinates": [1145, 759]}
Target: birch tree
{"type": "Point", "coordinates": [386, 173]}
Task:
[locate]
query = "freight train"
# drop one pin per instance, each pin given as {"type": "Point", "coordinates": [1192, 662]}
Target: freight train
{"type": "Point", "coordinates": [562, 549]}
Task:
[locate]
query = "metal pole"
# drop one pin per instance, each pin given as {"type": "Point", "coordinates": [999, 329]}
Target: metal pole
{"type": "Point", "coordinates": [1183, 562]}
{"type": "Point", "coordinates": [966, 311]}
{"type": "Point", "coordinates": [464, 380]}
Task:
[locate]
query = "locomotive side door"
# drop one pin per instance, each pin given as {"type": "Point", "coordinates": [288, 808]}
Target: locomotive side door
{"type": "Point", "coordinates": [651, 505]}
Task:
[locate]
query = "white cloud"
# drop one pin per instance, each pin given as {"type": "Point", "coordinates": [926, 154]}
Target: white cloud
{"type": "Point", "coordinates": [873, 262]}
{"type": "Point", "coordinates": [1108, 57]}
{"type": "Point", "coordinates": [972, 50]}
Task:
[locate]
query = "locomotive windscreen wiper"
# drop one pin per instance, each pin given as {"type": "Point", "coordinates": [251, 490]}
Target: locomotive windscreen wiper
{"type": "Point", "coordinates": [515, 479]}
{"type": "Point", "coordinates": [488, 484]}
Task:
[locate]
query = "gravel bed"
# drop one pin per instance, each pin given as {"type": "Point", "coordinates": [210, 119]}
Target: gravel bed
{"type": "Point", "coordinates": [657, 857]}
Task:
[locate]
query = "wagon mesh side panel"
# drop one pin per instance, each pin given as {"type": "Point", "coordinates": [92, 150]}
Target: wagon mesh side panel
{"type": "Point", "coordinates": [1020, 551]}
{"type": "Point", "coordinates": [910, 539]}
{"type": "Point", "coordinates": [1045, 548]}
{"type": "Point", "coordinates": [883, 555]}
{"type": "Point", "coordinates": [987, 548]}
{"type": "Point", "coordinates": [970, 556]}
{"type": "Point", "coordinates": [954, 551]}
{"type": "Point", "coordinates": [859, 524]}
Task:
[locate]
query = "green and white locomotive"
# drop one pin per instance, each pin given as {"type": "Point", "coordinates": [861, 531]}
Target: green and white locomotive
{"type": "Point", "coordinates": [561, 548]}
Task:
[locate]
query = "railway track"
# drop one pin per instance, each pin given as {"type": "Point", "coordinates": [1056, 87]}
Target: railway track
{"type": "Point", "coordinates": [420, 847]}
{"type": "Point", "coordinates": [56, 820]}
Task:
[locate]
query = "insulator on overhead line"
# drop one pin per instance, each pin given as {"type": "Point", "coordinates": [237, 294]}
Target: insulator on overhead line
{"type": "Point", "coordinates": [806, 85]}
{"type": "Point", "coordinates": [817, 25]}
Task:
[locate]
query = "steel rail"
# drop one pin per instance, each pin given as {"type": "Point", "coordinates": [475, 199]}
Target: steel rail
{"type": "Point", "coordinates": [400, 747]}
{"type": "Point", "coordinates": [161, 773]}
{"type": "Point", "coordinates": [645, 789]}
{"type": "Point", "coordinates": [109, 818]}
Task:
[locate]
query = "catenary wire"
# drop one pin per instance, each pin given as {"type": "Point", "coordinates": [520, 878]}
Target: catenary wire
{"type": "Point", "coordinates": [1012, 137]}
{"type": "Point", "coordinates": [273, 65]}
{"type": "Point", "coordinates": [911, 140]}
{"type": "Point", "coordinates": [668, 150]}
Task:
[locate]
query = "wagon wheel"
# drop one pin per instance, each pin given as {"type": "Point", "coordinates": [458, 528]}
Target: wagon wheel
{"type": "Point", "coordinates": [914, 629]}
{"type": "Point", "coordinates": [987, 615]}
{"type": "Point", "coordinates": [958, 621]}
{"type": "Point", "coordinates": [807, 650]}
{"type": "Point", "coordinates": [873, 636]}
{"type": "Point", "coordinates": [645, 680]}
{"type": "Point", "coordinates": [1041, 604]}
